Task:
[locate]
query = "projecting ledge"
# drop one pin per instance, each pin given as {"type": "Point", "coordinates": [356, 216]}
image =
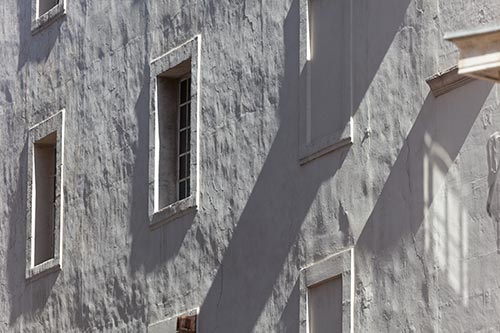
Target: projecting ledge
{"type": "Point", "coordinates": [447, 80]}
{"type": "Point", "coordinates": [479, 52]}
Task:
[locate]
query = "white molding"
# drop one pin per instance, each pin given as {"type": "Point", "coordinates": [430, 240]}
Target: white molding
{"type": "Point", "coordinates": [340, 264]}
{"type": "Point", "coordinates": [479, 52]}
{"type": "Point", "coordinates": [191, 49]}
{"type": "Point", "coordinates": [54, 123]}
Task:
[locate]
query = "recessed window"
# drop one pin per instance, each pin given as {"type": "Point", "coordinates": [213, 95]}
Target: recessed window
{"type": "Point", "coordinates": [44, 12]}
{"type": "Point", "coordinates": [186, 322]}
{"type": "Point", "coordinates": [325, 306]}
{"type": "Point", "coordinates": [45, 197]}
{"type": "Point", "coordinates": [173, 125]}
{"type": "Point", "coordinates": [46, 5]}
{"type": "Point", "coordinates": [327, 294]}
{"type": "Point", "coordinates": [326, 74]}
{"type": "Point", "coordinates": [174, 134]}
{"type": "Point", "coordinates": [45, 188]}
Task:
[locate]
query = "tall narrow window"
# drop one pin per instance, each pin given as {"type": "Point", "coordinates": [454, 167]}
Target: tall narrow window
{"type": "Point", "coordinates": [45, 200]}
{"type": "Point", "coordinates": [184, 137]}
{"type": "Point", "coordinates": [173, 124]}
{"type": "Point", "coordinates": [174, 134]}
{"type": "Point", "coordinates": [326, 77]}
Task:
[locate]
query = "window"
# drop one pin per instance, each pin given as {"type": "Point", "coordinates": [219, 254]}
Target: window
{"type": "Point", "coordinates": [44, 183]}
{"type": "Point", "coordinates": [173, 125]}
{"type": "Point", "coordinates": [174, 134]}
{"type": "Point", "coordinates": [43, 12]}
{"type": "Point", "coordinates": [45, 5]}
{"type": "Point", "coordinates": [186, 322]}
{"type": "Point", "coordinates": [326, 75]}
{"type": "Point", "coordinates": [44, 214]}
{"type": "Point", "coordinates": [327, 294]}
{"type": "Point", "coordinates": [325, 306]}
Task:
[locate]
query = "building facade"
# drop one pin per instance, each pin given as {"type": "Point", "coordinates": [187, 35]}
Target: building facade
{"type": "Point", "coordinates": [246, 166]}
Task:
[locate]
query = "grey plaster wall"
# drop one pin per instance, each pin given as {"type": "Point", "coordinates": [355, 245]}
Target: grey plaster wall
{"type": "Point", "coordinates": [410, 194]}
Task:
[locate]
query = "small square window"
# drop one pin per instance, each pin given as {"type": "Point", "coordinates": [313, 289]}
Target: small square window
{"type": "Point", "coordinates": [173, 143]}
{"type": "Point", "coordinates": [43, 12]}
{"type": "Point", "coordinates": [186, 322]}
{"type": "Point", "coordinates": [44, 213]}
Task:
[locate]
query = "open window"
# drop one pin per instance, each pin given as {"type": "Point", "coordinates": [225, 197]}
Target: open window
{"type": "Point", "coordinates": [43, 12]}
{"type": "Point", "coordinates": [174, 139]}
{"type": "Point", "coordinates": [44, 213]}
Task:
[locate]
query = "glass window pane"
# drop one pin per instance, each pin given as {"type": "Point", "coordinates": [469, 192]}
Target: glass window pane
{"type": "Point", "coordinates": [182, 167]}
{"type": "Point", "coordinates": [183, 139]}
{"type": "Point", "coordinates": [188, 164]}
{"type": "Point", "coordinates": [182, 190]}
{"type": "Point", "coordinates": [184, 91]}
{"type": "Point", "coordinates": [184, 121]}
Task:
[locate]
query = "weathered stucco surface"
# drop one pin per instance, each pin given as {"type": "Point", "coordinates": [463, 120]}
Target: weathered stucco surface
{"type": "Point", "coordinates": [410, 194]}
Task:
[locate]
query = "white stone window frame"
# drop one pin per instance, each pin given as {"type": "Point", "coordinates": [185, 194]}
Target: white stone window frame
{"type": "Point", "coordinates": [55, 123]}
{"type": "Point", "coordinates": [338, 265]}
{"type": "Point", "coordinates": [40, 22]}
{"type": "Point", "coordinates": [309, 149]}
{"type": "Point", "coordinates": [191, 49]}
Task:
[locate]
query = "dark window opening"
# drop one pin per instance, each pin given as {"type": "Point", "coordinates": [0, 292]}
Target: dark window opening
{"type": "Point", "coordinates": [45, 5]}
{"type": "Point", "coordinates": [45, 197]}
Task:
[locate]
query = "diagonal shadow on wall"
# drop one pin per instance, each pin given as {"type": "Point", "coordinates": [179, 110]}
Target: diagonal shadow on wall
{"type": "Point", "coordinates": [35, 48]}
{"type": "Point", "coordinates": [25, 297]}
{"type": "Point", "coordinates": [277, 207]}
{"type": "Point", "coordinates": [270, 223]}
{"type": "Point", "coordinates": [390, 234]}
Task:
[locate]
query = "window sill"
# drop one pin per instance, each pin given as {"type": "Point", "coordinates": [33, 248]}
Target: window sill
{"type": "Point", "coordinates": [324, 145]}
{"type": "Point", "coordinates": [45, 268]}
{"type": "Point", "coordinates": [40, 23]}
{"type": "Point", "coordinates": [173, 211]}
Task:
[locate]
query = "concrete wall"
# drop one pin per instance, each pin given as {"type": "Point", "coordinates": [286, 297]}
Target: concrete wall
{"type": "Point", "coordinates": [409, 194]}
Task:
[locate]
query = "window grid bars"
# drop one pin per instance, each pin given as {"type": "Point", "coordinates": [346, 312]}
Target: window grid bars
{"type": "Point", "coordinates": [183, 186]}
